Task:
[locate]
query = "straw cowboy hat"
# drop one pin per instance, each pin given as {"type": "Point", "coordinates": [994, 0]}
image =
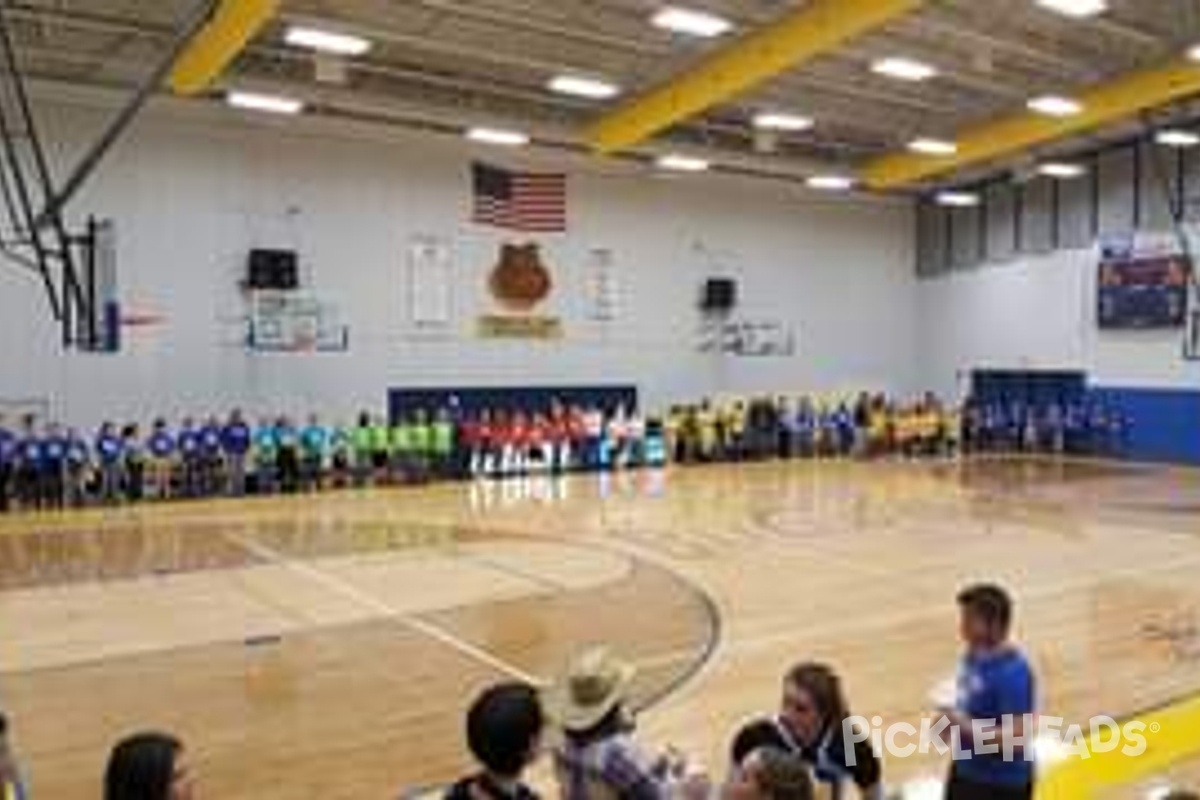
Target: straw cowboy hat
{"type": "Point", "coordinates": [596, 682]}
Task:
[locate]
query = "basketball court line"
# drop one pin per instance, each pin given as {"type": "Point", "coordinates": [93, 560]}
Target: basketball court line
{"type": "Point", "coordinates": [385, 610]}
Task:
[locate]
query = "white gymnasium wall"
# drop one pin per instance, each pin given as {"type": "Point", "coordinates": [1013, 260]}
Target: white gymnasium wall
{"type": "Point", "coordinates": [191, 193]}
{"type": "Point", "coordinates": [1037, 312]}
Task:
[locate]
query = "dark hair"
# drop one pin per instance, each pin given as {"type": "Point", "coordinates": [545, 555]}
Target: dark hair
{"type": "Point", "coordinates": [502, 726]}
{"type": "Point", "coordinates": [989, 603]}
{"type": "Point", "coordinates": [141, 767]}
{"type": "Point", "coordinates": [825, 688]}
{"type": "Point", "coordinates": [754, 737]}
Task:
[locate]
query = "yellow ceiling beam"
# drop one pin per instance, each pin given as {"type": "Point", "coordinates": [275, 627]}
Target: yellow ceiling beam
{"type": "Point", "coordinates": [799, 36]}
{"type": "Point", "coordinates": [1121, 98]}
{"type": "Point", "coordinates": [233, 25]}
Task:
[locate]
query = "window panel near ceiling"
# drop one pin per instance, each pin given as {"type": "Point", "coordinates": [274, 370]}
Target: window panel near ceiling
{"type": "Point", "coordinates": [1075, 213]}
{"type": "Point", "coordinates": [1001, 224]}
{"type": "Point", "coordinates": [1115, 170]}
{"type": "Point", "coordinates": [1037, 223]}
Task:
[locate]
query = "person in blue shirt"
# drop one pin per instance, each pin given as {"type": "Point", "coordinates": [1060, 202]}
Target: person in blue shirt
{"type": "Point", "coordinates": [211, 472]}
{"type": "Point", "coordinates": [188, 445]}
{"type": "Point", "coordinates": [52, 480]}
{"type": "Point", "coordinates": [235, 441]}
{"type": "Point", "coordinates": [28, 464]}
{"type": "Point", "coordinates": [134, 454]}
{"type": "Point", "coordinates": [78, 463]}
{"type": "Point", "coordinates": [995, 688]}
{"type": "Point", "coordinates": [8, 455]}
{"type": "Point", "coordinates": [110, 454]}
{"type": "Point", "coordinates": [314, 442]}
{"type": "Point", "coordinates": [161, 445]}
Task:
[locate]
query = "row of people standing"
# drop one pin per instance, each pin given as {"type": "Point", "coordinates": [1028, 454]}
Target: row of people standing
{"type": "Point", "coordinates": [50, 466]}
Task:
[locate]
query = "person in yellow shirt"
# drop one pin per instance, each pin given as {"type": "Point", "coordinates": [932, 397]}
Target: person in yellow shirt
{"type": "Point", "coordinates": [708, 435]}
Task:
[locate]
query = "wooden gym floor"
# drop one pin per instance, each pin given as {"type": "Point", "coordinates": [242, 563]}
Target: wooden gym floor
{"type": "Point", "coordinates": [326, 646]}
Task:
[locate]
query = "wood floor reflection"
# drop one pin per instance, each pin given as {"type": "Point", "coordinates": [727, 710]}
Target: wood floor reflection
{"type": "Point", "coordinates": [326, 646]}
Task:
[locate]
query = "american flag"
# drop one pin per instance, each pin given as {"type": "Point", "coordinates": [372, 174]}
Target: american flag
{"type": "Point", "coordinates": [520, 201]}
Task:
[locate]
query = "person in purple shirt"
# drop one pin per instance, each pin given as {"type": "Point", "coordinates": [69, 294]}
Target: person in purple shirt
{"type": "Point", "coordinates": [78, 461]}
{"type": "Point", "coordinates": [28, 464]}
{"type": "Point", "coordinates": [188, 444]}
{"type": "Point", "coordinates": [210, 458]}
{"type": "Point", "coordinates": [52, 478]}
{"type": "Point", "coordinates": [109, 453]}
{"type": "Point", "coordinates": [235, 440]}
{"type": "Point", "coordinates": [161, 445]}
{"type": "Point", "coordinates": [8, 453]}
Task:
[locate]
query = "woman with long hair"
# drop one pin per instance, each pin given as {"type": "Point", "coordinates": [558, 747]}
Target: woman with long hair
{"type": "Point", "coordinates": [811, 724]}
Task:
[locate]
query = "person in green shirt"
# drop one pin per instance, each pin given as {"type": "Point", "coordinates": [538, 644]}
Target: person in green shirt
{"type": "Point", "coordinates": [381, 444]}
{"type": "Point", "coordinates": [422, 445]}
{"type": "Point", "coordinates": [362, 450]}
{"type": "Point", "coordinates": [442, 446]}
{"type": "Point", "coordinates": [402, 450]}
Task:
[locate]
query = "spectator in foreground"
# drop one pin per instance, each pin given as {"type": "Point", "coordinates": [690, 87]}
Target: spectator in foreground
{"type": "Point", "coordinates": [504, 732]}
{"type": "Point", "coordinates": [810, 725]}
{"type": "Point", "coordinates": [598, 757]}
{"type": "Point", "coordinates": [769, 773]}
{"type": "Point", "coordinates": [148, 766]}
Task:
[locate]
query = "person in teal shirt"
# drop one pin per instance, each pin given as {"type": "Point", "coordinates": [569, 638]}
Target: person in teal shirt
{"type": "Point", "coordinates": [265, 450]}
{"type": "Point", "coordinates": [314, 445]}
{"type": "Point", "coordinates": [341, 449]}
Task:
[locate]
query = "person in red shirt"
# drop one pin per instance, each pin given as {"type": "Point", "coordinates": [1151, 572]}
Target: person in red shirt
{"type": "Point", "coordinates": [538, 444]}
{"type": "Point", "coordinates": [560, 440]}
{"type": "Point", "coordinates": [517, 445]}
{"type": "Point", "coordinates": [470, 431]}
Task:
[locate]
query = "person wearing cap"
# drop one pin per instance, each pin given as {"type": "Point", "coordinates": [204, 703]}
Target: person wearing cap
{"type": "Point", "coordinates": [598, 756]}
{"type": "Point", "coordinates": [504, 733]}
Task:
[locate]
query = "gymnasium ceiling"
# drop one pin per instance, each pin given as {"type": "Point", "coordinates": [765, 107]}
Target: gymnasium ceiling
{"type": "Point", "coordinates": [442, 64]}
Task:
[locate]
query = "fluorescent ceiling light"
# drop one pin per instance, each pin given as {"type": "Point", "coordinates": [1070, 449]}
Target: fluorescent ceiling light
{"type": "Point", "coordinates": [957, 199]}
{"type": "Point", "coordinates": [679, 163]}
{"type": "Point", "coordinates": [498, 136]}
{"type": "Point", "coordinates": [905, 69]}
{"type": "Point", "coordinates": [579, 86]}
{"type": "Point", "coordinates": [830, 183]}
{"type": "Point", "coordinates": [691, 22]}
{"type": "Point", "coordinates": [1060, 170]}
{"type": "Point", "coordinates": [272, 104]}
{"type": "Point", "coordinates": [1177, 138]}
{"type": "Point", "coordinates": [342, 44]}
{"type": "Point", "coordinates": [772, 121]}
{"type": "Point", "coordinates": [1053, 106]}
{"type": "Point", "coordinates": [1075, 8]}
{"type": "Point", "coordinates": [933, 147]}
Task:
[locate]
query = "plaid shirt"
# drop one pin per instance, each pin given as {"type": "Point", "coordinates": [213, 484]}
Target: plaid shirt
{"type": "Point", "coordinates": [608, 769]}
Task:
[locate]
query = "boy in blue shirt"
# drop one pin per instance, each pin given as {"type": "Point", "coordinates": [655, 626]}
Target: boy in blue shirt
{"type": "Point", "coordinates": [78, 461]}
{"type": "Point", "coordinates": [109, 450]}
{"type": "Point", "coordinates": [54, 467]}
{"type": "Point", "coordinates": [188, 444]}
{"type": "Point", "coordinates": [210, 458]}
{"type": "Point", "coordinates": [235, 440]}
{"type": "Point", "coordinates": [994, 681]}
{"type": "Point", "coordinates": [28, 464]}
{"type": "Point", "coordinates": [162, 455]}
